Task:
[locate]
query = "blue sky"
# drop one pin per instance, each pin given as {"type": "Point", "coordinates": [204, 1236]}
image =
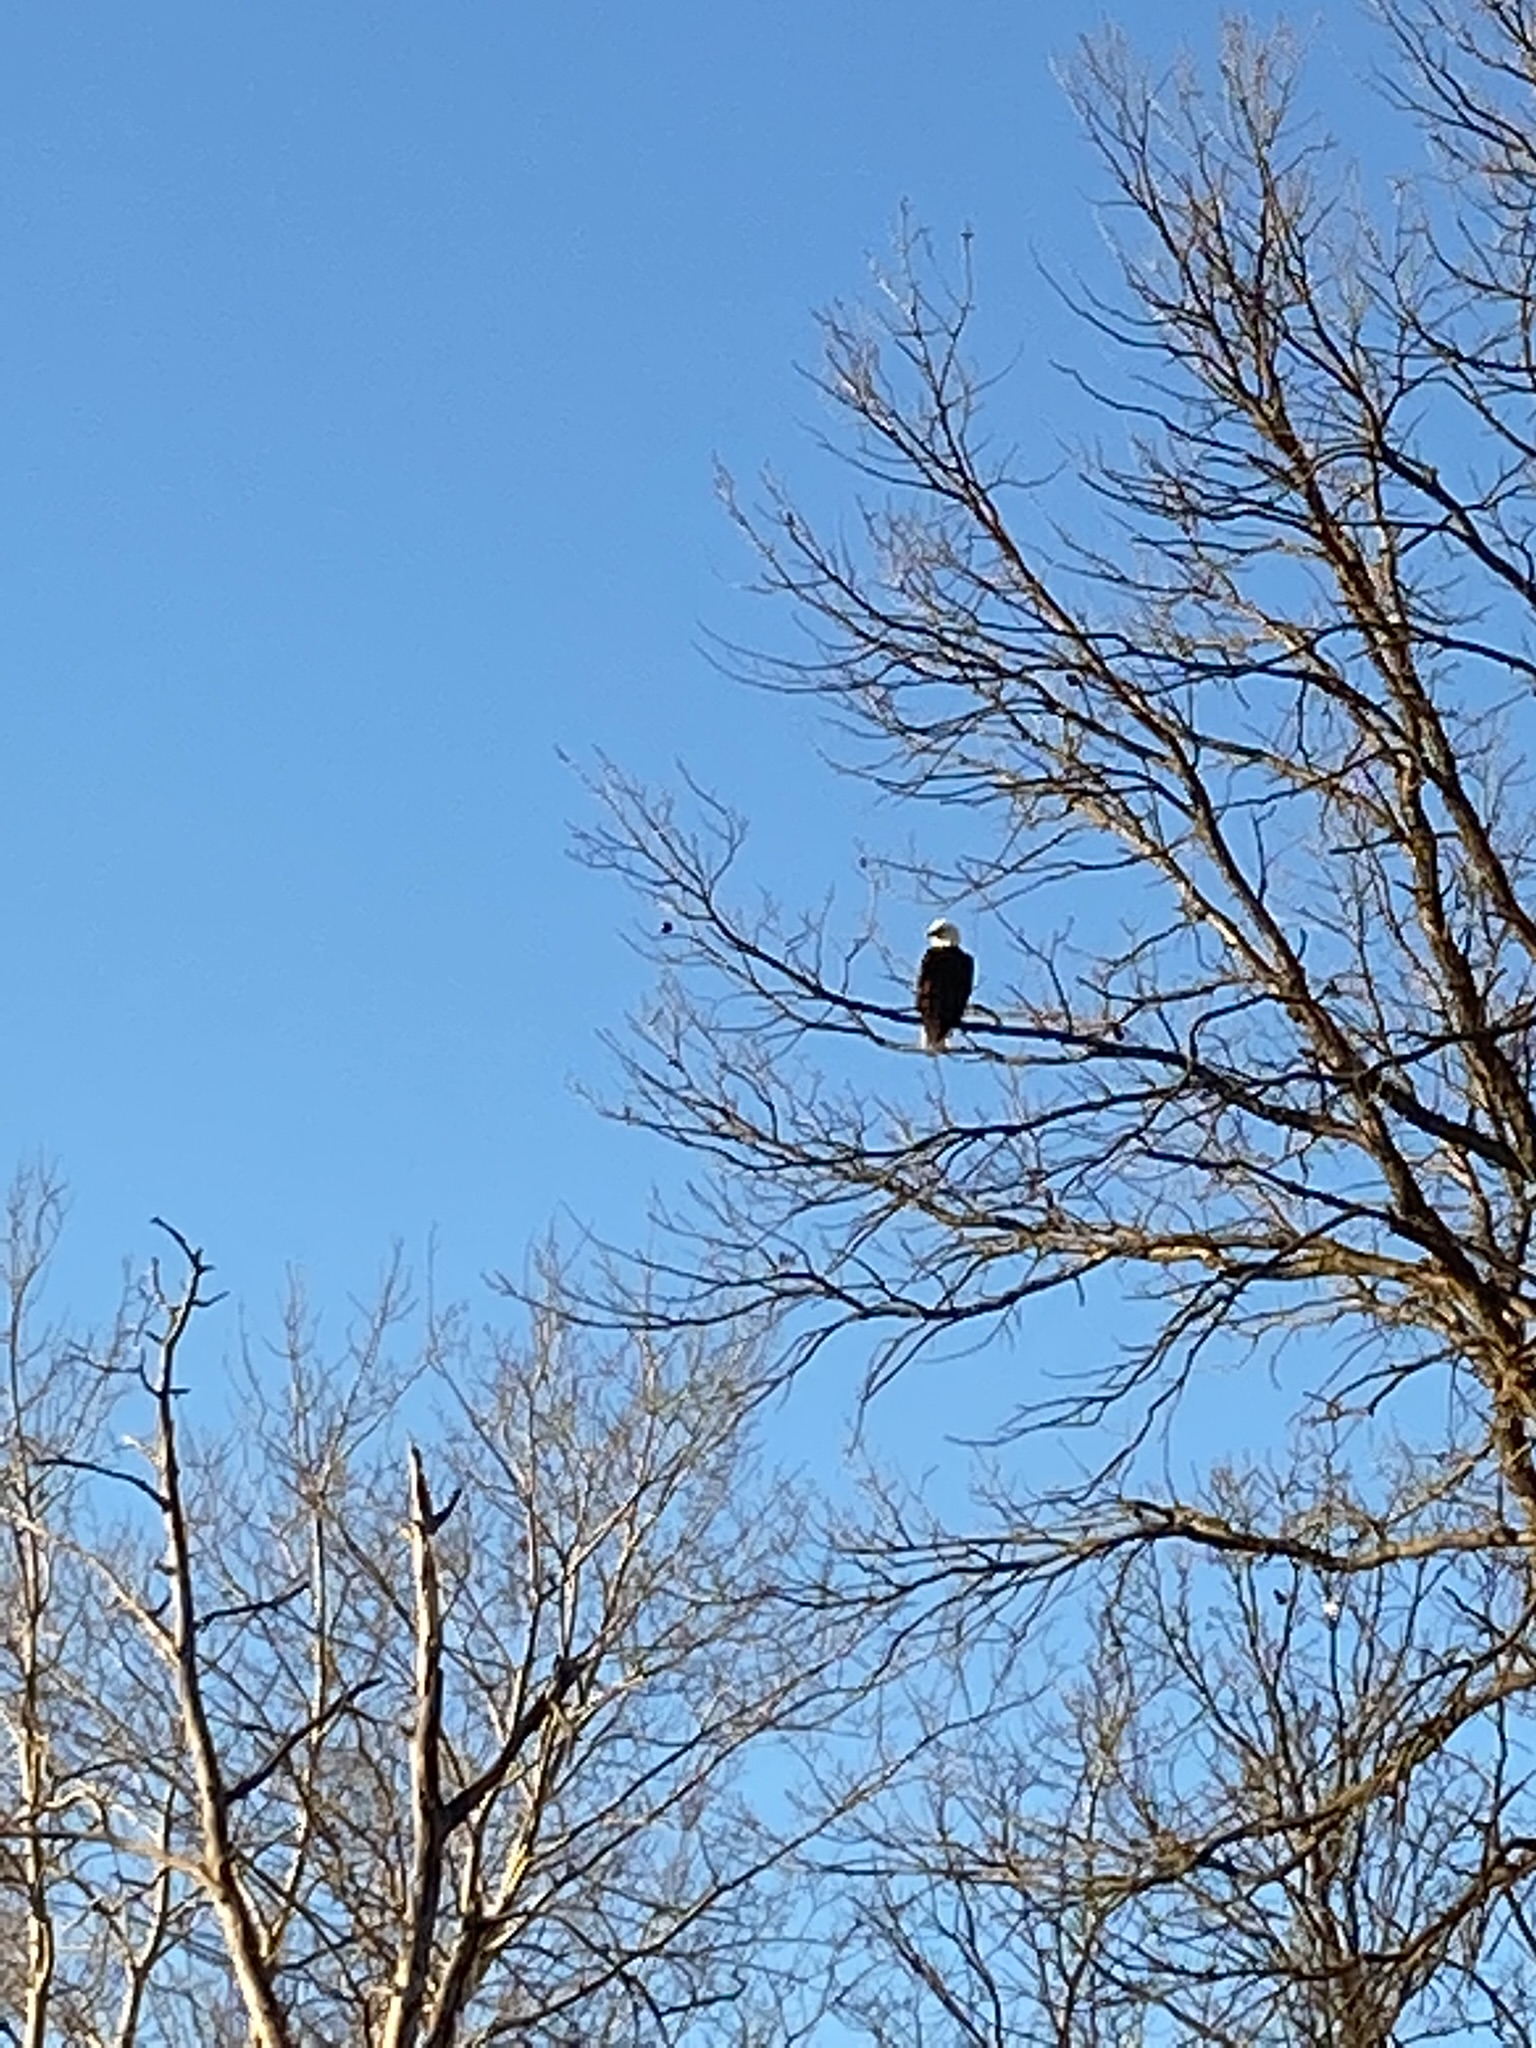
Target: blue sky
{"type": "Point", "coordinates": [361, 376]}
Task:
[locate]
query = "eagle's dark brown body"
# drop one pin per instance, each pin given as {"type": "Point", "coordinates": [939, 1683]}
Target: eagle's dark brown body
{"type": "Point", "coordinates": [945, 978]}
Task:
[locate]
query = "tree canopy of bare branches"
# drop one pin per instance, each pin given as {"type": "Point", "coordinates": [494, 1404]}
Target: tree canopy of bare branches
{"type": "Point", "coordinates": [1277, 1065]}
{"type": "Point", "coordinates": [1234, 788]}
{"type": "Point", "coordinates": [404, 1701]}
{"type": "Point", "coordinates": [1214, 735]}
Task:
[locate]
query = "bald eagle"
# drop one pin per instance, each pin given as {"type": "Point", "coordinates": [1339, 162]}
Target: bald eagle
{"type": "Point", "coordinates": [944, 982]}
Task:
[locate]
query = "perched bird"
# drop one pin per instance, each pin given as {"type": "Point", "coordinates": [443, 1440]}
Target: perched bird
{"type": "Point", "coordinates": [945, 979]}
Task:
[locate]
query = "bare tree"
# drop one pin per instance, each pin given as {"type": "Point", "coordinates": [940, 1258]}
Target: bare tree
{"type": "Point", "coordinates": [399, 1693]}
{"type": "Point", "coordinates": [1216, 743]}
{"type": "Point", "coordinates": [1281, 1073]}
{"type": "Point", "coordinates": [1245, 1797]}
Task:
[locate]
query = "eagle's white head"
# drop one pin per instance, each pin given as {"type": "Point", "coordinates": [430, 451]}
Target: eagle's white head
{"type": "Point", "coordinates": [942, 933]}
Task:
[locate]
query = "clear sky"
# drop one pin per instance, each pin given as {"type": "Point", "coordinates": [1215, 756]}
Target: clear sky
{"type": "Point", "coordinates": [361, 376]}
